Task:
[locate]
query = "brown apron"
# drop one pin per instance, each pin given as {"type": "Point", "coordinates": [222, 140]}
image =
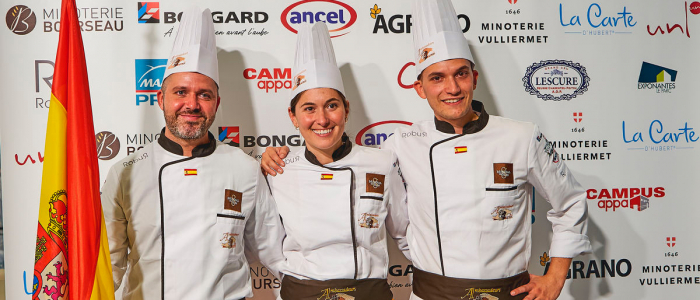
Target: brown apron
{"type": "Point", "coordinates": [335, 289]}
{"type": "Point", "coordinates": [430, 286]}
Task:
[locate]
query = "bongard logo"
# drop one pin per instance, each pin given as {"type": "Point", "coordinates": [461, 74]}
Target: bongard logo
{"type": "Point", "coordinates": [20, 19]}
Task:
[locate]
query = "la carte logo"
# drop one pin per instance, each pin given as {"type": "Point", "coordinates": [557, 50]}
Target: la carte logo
{"type": "Point", "coordinates": [375, 183]}
{"type": "Point", "coordinates": [503, 172]}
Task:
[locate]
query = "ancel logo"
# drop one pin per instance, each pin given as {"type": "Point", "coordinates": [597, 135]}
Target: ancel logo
{"type": "Point", "coordinates": [337, 15]}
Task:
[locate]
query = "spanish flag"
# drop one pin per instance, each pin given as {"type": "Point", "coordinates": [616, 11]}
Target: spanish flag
{"type": "Point", "coordinates": [72, 253]}
{"type": "Point", "coordinates": [460, 149]}
{"type": "Point", "coordinates": [190, 172]}
{"type": "Point", "coordinates": [326, 176]}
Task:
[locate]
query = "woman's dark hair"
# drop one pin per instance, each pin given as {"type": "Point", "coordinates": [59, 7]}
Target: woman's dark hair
{"type": "Point", "coordinates": [295, 100]}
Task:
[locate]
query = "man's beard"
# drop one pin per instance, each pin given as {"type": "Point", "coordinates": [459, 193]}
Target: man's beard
{"type": "Point", "coordinates": [188, 130]}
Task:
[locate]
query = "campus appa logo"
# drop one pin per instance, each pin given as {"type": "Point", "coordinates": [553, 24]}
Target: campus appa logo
{"type": "Point", "coordinates": [658, 78]}
{"type": "Point", "coordinates": [149, 12]}
{"type": "Point", "coordinates": [20, 19]}
{"type": "Point", "coordinates": [149, 76]}
{"type": "Point", "coordinates": [376, 133]}
{"type": "Point", "coordinates": [338, 16]}
{"type": "Point", "coordinates": [274, 79]}
{"type": "Point", "coordinates": [556, 80]}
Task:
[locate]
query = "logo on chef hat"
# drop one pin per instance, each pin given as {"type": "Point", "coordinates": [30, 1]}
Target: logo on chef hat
{"type": "Point", "coordinates": [177, 60]}
{"type": "Point", "coordinates": [299, 79]}
{"type": "Point", "coordinates": [425, 52]}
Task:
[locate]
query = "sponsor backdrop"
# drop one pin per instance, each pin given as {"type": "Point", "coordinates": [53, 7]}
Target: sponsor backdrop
{"type": "Point", "coordinates": [611, 83]}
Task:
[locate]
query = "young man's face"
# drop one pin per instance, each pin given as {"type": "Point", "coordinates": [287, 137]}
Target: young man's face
{"type": "Point", "coordinates": [449, 88]}
{"type": "Point", "coordinates": [189, 102]}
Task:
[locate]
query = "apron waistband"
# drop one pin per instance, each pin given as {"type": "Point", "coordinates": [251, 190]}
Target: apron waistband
{"type": "Point", "coordinates": [437, 287]}
{"type": "Point", "coordinates": [360, 289]}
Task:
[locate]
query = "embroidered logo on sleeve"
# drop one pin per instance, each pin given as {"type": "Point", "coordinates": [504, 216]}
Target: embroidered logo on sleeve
{"type": "Point", "coordinates": [232, 200]}
{"type": "Point", "coordinates": [375, 183]}
{"type": "Point", "coordinates": [228, 240]}
{"type": "Point", "coordinates": [369, 220]}
{"type": "Point", "coordinates": [501, 213]}
{"type": "Point", "coordinates": [503, 173]}
{"type": "Point", "coordinates": [326, 176]}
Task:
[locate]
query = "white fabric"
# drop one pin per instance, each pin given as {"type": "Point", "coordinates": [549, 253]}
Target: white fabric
{"type": "Point", "coordinates": [437, 35]}
{"type": "Point", "coordinates": [194, 49]}
{"type": "Point", "coordinates": [316, 215]}
{"type": "Point", "coordinates": [314, 62]}
{"type": "Point", "coordinates": [474, 244]}
{"type": "Point", "coordinates": [197, 266]}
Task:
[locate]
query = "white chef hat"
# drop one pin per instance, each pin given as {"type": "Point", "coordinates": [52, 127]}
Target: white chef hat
{"type": "Point", "coordinates": [437, 35]}
{"type": "Point", "coordinates": [194, 49]}
{"type": "Point", "coordinates": [314, 63]}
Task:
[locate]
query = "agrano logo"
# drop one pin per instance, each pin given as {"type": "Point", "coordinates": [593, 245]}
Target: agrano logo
{"type": "Point", "coordinates": [367, 137]}
{"type": "Point", "coordinates": [337, 20]}
{"type": "Point", "coordinates": [20, 19]}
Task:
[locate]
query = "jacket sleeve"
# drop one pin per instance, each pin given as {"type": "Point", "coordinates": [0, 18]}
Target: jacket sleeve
{"type": "Point", "coordinates": [556, 184]}
{"type": "Point", "coordinates": [263, 230]}
{"type": "Point", "coordinates": [397, 216]}
{"type": "Point", "coordinates": [116, 225]}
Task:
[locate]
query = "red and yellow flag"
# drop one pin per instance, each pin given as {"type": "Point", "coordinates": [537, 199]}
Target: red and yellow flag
{"type": "Point", "coordinates": [72, 253]}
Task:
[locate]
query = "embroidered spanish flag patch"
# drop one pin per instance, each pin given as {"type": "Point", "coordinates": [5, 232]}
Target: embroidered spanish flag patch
{"type": "Point", "coordinates": [326, 176]}
{"type": "Point", "coordinates": [460, 149]}
{"type": "Point", "coordinates": [190, 172]}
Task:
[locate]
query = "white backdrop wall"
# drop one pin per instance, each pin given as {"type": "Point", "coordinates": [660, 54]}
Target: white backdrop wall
{"type": "Point", "coordinates": [610, 82]}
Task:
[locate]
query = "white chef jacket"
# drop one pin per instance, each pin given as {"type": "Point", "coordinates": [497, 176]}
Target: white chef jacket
{"type": "Point", "coordinates": [469, 196]}
{"type": "Point", "coordinates": [336, 216]}
{"type": "Point", "coordinates": [208, 207]}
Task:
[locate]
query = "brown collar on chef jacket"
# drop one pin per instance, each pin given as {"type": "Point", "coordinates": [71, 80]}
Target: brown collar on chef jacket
{"type": "Point", "coordinates": [472, 126]}
{"type": "Point", "coordinates": [175, 148]}
{"type": "Point", "coordinates": [338, 154]}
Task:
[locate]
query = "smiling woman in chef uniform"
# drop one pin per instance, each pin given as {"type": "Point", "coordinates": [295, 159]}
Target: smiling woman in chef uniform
{"type": "Point", "coordinates": [337, 200]}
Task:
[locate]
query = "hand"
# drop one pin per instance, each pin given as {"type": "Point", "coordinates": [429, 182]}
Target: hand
{"type": "Point", "coordinates": [546, 287]}
{"type": "Point", "coordinates": [271, 161]}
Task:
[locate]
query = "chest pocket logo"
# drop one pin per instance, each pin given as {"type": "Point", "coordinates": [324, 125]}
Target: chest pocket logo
{"type": "Point", "coordinates": [233, 200]}
{"type": "Point", "coordinates": [503, 173]}
{"type": "Point", "coordinates": [375, 183]}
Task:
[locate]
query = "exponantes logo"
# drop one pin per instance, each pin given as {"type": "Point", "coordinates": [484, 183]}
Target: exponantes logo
{"type": "Point", "coordinates": [337, 15]}
{"type": "Point", "coordinates": [632, 198]}
{"type": "Point", "coordinates": [374, 134]}
{"type": "Point", "coordinates": [270, 79]}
